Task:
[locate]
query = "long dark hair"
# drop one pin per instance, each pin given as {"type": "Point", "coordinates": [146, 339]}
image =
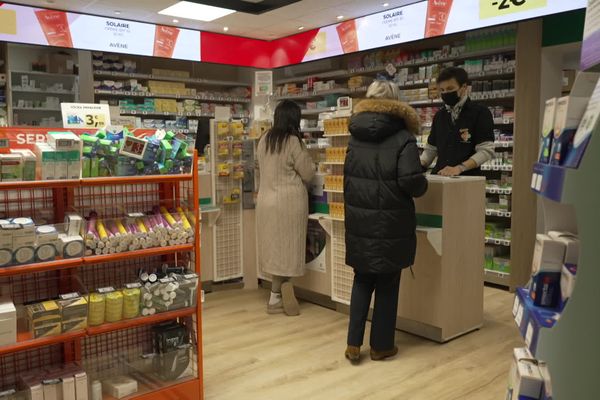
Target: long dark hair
{"type": "Point", "coordinates": [286, 124]}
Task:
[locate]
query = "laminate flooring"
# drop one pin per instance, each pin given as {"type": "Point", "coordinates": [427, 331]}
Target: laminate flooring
{"type": "Point", "coordinates": [251, 355]}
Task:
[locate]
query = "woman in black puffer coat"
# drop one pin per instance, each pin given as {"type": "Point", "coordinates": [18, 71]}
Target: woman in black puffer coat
{"type": "Point", "coordinates": [382, 174]}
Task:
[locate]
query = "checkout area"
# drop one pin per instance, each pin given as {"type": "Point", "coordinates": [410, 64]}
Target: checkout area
{"type": "Point", "coordinates": [441, 301]}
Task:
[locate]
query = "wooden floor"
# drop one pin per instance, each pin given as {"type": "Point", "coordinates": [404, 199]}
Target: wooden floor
{"type": "Point", "coordinates": [251, 355]}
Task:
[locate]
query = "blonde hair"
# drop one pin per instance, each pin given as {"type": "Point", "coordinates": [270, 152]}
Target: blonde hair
{"type": "Point", "coordinates": [383, 90]}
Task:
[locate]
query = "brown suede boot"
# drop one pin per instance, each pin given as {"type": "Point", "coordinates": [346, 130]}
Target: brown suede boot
{"type": "Point", "coordinates": [382, 355]}
{"type": "Point", "coordinates": [353, 354]}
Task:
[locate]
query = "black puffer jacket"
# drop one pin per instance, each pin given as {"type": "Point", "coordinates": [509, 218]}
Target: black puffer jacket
{"type": "Point", "coordinates": [382, 174]}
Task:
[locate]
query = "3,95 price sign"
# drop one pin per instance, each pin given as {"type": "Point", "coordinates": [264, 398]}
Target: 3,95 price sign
{"type": "Point", "coordinates": [498, 8]}
{"type": "Point", "coordinates": [86, 116]}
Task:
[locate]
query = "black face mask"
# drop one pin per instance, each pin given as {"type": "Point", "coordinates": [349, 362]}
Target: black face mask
{"type": "Point", "coordinates": [451, 98]}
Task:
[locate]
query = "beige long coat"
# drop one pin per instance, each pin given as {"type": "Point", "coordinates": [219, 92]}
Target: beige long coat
{"type": "Point", "coordinates": [282, 208]}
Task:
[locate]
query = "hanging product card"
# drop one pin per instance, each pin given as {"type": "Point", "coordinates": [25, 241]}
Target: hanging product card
{"type": "Point", "coordinates": [590, 48]}
{"type": "Point", "coordinates": [548, 130]}
{"type": "Point", "coordinates": [569, 112]}
{"type": "Point", "coordinates": [80, 115]}
{"type": "Point", "coordinates": [263, 83]}
{"type": "Point", "coordinates": [589, 124]}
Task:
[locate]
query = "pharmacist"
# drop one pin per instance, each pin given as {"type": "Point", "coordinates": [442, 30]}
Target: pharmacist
{"type": "Point", "coordinates": [462, 133]}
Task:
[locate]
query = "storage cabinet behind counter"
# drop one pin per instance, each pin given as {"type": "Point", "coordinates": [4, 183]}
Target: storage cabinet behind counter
{"type": "Point", "coordinates": [444, 298]}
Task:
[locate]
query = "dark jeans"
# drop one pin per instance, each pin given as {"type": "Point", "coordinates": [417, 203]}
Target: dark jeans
{"type": "Point", "coordinates": [383, 325]}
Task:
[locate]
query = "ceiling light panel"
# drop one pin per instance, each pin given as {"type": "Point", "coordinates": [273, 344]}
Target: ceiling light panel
{"type": "Point", "coordinates": [199, 12]}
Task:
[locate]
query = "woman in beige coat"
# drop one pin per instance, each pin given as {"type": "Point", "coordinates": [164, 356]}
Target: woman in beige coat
{"type": "Point", "coordinates": [286, 169]}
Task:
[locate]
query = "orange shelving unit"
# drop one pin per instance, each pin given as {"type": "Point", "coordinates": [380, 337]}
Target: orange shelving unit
{"type": "Point", "coordinates": [93, 346]}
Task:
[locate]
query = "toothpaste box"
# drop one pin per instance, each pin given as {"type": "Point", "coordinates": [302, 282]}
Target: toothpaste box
{"type": "Point", "coordinates": [525, 378]}
{"type": "Point", "coordinates": [63, 141]}
{"type": "Point", "coordinates": [11, 167]}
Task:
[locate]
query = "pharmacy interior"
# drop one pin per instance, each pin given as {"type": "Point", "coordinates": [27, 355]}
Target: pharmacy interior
{"type": "Point", "coordinates": [121, 158]}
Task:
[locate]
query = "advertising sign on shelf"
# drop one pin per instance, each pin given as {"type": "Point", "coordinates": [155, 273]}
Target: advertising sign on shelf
{"type": "Point", "coordinates": [65, 29]}
{"type": "Point", "coordinates": [590, 49]}
{"type": "Point", "coordinates": [263, 83]}
{"type": "Point", "coordinates": [90, 116]}
{"type": "Point", "coordinates": [589, 124]}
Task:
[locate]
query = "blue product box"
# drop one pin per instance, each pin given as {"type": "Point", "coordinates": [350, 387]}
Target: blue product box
{"type": "Point", "coordinates": [545, 289]}
{"type": "Point", "coordinates": [567, 283]}
{"type": "Point", "coordinates": [539, 319]}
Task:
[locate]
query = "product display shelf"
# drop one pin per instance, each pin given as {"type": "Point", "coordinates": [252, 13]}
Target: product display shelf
{"type": "Point", "coordinates": [335, 135]}
{"type": "Point", "coordinates": [498, 242]}
{"type": "Point", "coordinates": [317, 111]}
{"type": "Point", "coordinates": [171, 114]}
{"type": "Point", "coordinates": [25, 342]}
{"type": "Point", "coordinates": [193, 81]}
{"type": "Point", "coordinates": [44, 74]}
{"type": "Point", "coordinates": [40, 91]}
{"type": "Point", "coordinates": [497, 277]}
{"type": "Point", "coordinates": [319, 75]}
{"type": "Point", "coordinates": [313, 95]}
{"type": "Point", "coordinates": [497, 213]}
{"type": "Point", "coordinates": [122, 93]}
{"type": "Point", "coordinates": [91, 194]}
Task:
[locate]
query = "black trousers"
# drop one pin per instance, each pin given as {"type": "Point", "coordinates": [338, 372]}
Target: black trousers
{"type": "Point", "coordinates": [383, 325]}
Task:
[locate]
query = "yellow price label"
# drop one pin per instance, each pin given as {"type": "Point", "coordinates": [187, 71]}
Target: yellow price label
{"type": "Point", "coordinates": [95, 120]}
{"type": "Point", "coordinates": [498, 8]}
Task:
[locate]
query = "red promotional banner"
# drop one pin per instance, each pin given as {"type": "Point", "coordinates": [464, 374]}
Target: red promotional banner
{"type": "Point", "coordinates": [26, 138]}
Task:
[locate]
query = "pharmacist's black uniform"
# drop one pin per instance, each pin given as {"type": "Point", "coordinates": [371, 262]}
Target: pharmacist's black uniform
{"type": "Point", "coordinates": [382, 174]}
{"type": "Point", "coordinates": [456, 141]}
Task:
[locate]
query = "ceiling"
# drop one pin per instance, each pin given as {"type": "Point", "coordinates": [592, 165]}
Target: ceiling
{"type": "Point", "coordinates": [275, 24]}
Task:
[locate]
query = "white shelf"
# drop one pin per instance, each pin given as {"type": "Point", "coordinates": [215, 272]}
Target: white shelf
{"type": "Point", "coordinates": [316, 111]}
{"type": "Point", "coordinates": [337, 135]}
{"type": "Point", "coordinates": [493, 97]}
{"type": "Point", "coordinates": [498, 190]}
{"type": "Point", "coordinates": [504, 144]}
{"type": "Point", "coordinates": [497, 213]}
{"type": "Point", "coordinates": [414, 63]}
{"type": "Point", "coordinates": [206, 82]}
{"type": "Point", "coordinates": [312, 95]}
{"type": "Point", "coordinates": [498, 242]}
{"type": "Point", "coordinates": [311, 130]}
{"type": "Point", "coordinates": [333, 163]}
{"type": "Point", "coordinates": [168, 114]}
{"type": "Point", "coordinates": [123, 93]}
{"type": "Point", "coordinates": [497, 277]}
{"type": "Point", "coordinates": [318, 75]}
{"type": "Point", "coordinates": [44, 92]}
{"type": "Point", "coordinates": [506, 168]}
{"type": "Point", "coordinates": [45, 74]}
{"type": "Point", "coordinates": [36, 109]}
{"type": "Point", "coordinates": [333, 191]}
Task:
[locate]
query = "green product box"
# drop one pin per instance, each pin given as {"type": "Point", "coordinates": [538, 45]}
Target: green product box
{"type": "Point", "coordinates": [166, 148]}
{"type": "Point", "coordinates": [94, 167]}
{"type": "Point", "coordinates": [86, 167]}
{"type": "Point", "coordinates": [183, 151]}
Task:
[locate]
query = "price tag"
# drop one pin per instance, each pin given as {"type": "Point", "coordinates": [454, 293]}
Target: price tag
{"type": "Point", "coordinates": [94, 121]}
{"type": "Point", "coordinates": [135, 285]}
{"type": "Point", "coordinates": [519, 315]}
{"type": "Point", "coordinates": [69, 296]}
{"type": "Point", "coordinates": [516, 304]}
{"type": "Point", "coordinates": [105, 290]}
{"type": "Point", "coordinates": [529, 334]}
{"type": "Point", "coordinates": [134, 147]}
{"type": "Point", "coordinates": [498, 8]}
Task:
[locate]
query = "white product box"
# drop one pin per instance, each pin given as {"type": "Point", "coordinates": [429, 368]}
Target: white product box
{"type": "Point", "coordinates": [68, 388]}
{"type": "Point", "coordinates": [61, 165]}
{"type": "Point", "coordinates": [63, 141]}
{"type": "Point", "coordinates": [81, 386]}
{"type": "Point", "coordinates": [568, 279]}
{"type": "Point", "coordinates": [36, 392]}
{"type": "Point", "coordinates": [70, 246]}
{"type": "Point", "coordinates": [119, 387]}
{"type": "Point", "coordinates": [52, 389]}
{"type": "Point", "coordinates": [6, 235]}
{"type": "Point", "coordinates": [46, 157]}
{"type": "Point", "coordinates": [74, 169]}
{"type": "Point", "coordinates": [46, 234]}
{"type": "Point", "coordinates": [571, 242]}
{"type": "Point", "coordinates": [525, 378]}
{"type": "Point", "coordinates": [548, 254]}
{"type": "Point", "coordinates": [8, 322]}
{"type": "Point", "coordinates": [547, 390]}
{"type": "Point", "coordinates": [29, 163]}
{"type": "Point", "coordinates": [74, 224]}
